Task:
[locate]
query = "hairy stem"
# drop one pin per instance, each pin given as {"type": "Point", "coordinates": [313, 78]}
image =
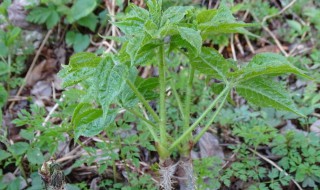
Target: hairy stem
{"type": "Point", "coordinates": [143, 101]}
{"type": "Point", "coordinates": [185, 149]}
{"type": "Point", "coordinates": [162, 104]}
{"type": "Point", "coordinates": [178, 99]}
{"type": "Point", "coordinates": [211, 120]}
{"type": "Point", "coordinates": [187, 102]}
{"type": "Point", "coordinates": [195, 124]}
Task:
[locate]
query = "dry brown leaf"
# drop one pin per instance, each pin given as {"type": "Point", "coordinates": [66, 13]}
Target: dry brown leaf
{"type": "Point", "coordinates": [44, 70]}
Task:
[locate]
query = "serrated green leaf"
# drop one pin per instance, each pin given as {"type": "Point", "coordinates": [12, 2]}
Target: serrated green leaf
{"type": "Point", "coordinates": [206, 15]}
{"type": "Point", "coordinates": [131, 26]}
{"type": "Point", "coordinates": [274, 173]}
{"type": "Point", "coordinates": [168, 30]}
{"type": "Point", "coordinates": [133, 46]}
{"type": "Point", "coordinates": [133, 22]}
{"type": "Point", "coordinates": [80, 107]}
{"type": "Point", "coordinates": [155, 9]}
{"type": "Point", "coordinates": [4, 155]}
{"type": "Point", "coordinates": [90, 21]}
{"type": "Point", "coordinates": [220, 21]}
{"type": "Point", "coordinates": [176, 42]}
{"type": "Point", "coordinates": [175, 14]}
{"type": "Point", "coordinates": [138, 12]}
{"type": "Point", "coordinates": [78, 41]}
{"type": "Point", "coordinates": [151, 28]}
{"type": "Point", "coordinates": [140, 48]}
{"type": "Point", "coordinates": [18, 148]}
{"type": "Point", "coordinates": [41, 15]}
{"type": "Point", "coordinates": [84, 113]}
{"type": "Point", "coordinates": [96, 126]}
{"type": "Point", "coordinates": [63, 9]}
{"type": "Point", "coordinates": [72, 78]}
{"type": "Point", "coordinates": [84, 59]}
{"type": "Point", "coordinates": [224, 28]}
{"type": "Point", "coordinates": [127, 98]}
{"type": "Point", "coordinates": [29, 135]}
{"type": "Point", "coordinates": [212, 63]}
{"type": "Point", "coordinates": [191, 36]}
{"type": "Point", "coordinates": [264, 92]}
{"type": "Point", "coordinates": [88, 116]}
{"type": "Point", "coordinates": [147, 87]}
{"type": "Point", "coordinates": [267, 64]}
{"type": "Point", "coordinates": [110, 82]}
{"type": "Point", "coordinates": [146, 58]}
{"type": "Point", "coordinates": [12, 35]}
{"type": "Point", "coordinates": [80, 9]}
{"type": "Point", "coordinates": [149, 46]}
{"type": "Point", "coordinates": [35, 156]}
{"type": "Point", "coordinates": [53, 19]}
{"type": "Point", "coordinates": [38, 15]}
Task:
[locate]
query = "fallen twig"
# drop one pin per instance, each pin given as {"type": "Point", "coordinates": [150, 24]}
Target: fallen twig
{"type": "Point", "coordinates": [276, 166]}
{"type": "Point", "coordinates": [269, 31]}
{"type": "Point", "coordinates": [234, 56]}
{"type": "Point", "coordinates": [249, 44]}
{"type": "Point", "coordinates": [52, 111]}
{"type": "Point", "coordinates": [272, 35]}
{"type": "Point", "coordinates": [32, 65]}
{"type": "Point", "coordinates": [279, 13]}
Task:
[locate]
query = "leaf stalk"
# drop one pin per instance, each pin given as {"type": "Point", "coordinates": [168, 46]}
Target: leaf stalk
{"type": "Point", "coordinates": [143, 101]}
{"type": "Point", "coordinates": [203, 115]}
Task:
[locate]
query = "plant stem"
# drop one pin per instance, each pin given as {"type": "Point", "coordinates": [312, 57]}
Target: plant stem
{"type": "Point", "coordinates": [211, 120]}
{"type": "Point", "coordinates": [185, 146]}
{"type": "Point", "coordinates": [195, 124]}
{"type": "Point", "coordinates": [23, 172]}
{"type": "Point", "coordinates": [162, 104]}
{"type": "Point", "coordinates": [148, 123]}
{"type": "Point", "coordinates": [143, 100]}
{"type": "Point", "coordinates": [178, 99]}
{"type": "Point", "coordinates": [187, 102]}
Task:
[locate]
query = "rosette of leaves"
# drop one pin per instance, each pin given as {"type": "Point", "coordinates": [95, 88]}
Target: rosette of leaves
{"type": "Point", "coordinates": [110, 82]}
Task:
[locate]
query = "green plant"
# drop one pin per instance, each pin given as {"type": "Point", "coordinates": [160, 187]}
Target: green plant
{"type": "Point", "coordinates": [14, 52]}
{"type": "Point", "coordinates": [294, 151]}
{"type": "Point", "coordinates": [110, 82]}
{"type": "Point", "coordinates": [208, 172]}
{"type": "Point", "coordinates": [30, 149]}
{"type": "Point", "coordinates": [304, 157]}
{"type": "Point", "coordinates": [50, 13]}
